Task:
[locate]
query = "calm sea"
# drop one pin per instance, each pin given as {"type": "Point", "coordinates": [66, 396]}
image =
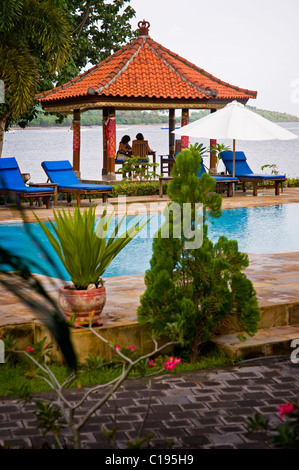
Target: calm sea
{"type": "Point", "coordinates": [31, 146]}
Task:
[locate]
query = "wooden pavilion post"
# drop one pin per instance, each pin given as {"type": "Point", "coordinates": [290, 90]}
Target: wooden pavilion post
{"type": "Point", "coordinates": [76, 141]}
{"type": "Point", "coordinates": [184, 122]}
{"type": "Point", "coordinates": [171, 134]}
{"type": "Point", "coordinates": [111, 130]}
{"type": "Point", "coordinates": [213, 154]}
{"type": "Point", "coordinates": [105, 143]}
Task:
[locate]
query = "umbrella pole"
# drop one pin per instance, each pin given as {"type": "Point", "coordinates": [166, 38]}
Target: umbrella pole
{"type": "Point", "coordinates": [234, 156]}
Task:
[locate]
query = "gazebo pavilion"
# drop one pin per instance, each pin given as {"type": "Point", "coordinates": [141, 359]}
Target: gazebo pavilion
{"type": "Point", "coordinates": [143, 75]}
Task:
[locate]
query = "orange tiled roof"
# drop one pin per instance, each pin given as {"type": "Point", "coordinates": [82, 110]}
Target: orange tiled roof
{"type": "Point", "coordinates": [146, 69]}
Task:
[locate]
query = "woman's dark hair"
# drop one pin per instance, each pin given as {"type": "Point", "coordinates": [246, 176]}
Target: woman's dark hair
{"type": "Point", "coordinates": [139, 136]}
{"type": "Point", "coordinates": [125, 139]}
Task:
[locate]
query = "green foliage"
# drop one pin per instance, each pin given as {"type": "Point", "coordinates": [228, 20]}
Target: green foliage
{"type": "Point", "coordinates": [138, 168]}
{"type": "Point", "coordinates": [29, 289]}
{"type": "Point", "coordinates": [134, 188]}
{"type": "Point", "coordinates": [285, 435]}
{"type": "Point", "coordinates": [274, 116]}
{"type": "Point", "coordinates": [141, 443]}
{"type": "Point", "coordinates": [292, 183]}
{"type": "Point", "coordinates": [85, 251]}
{"type": "Point", "coordinates": [257, 423]}
{"type": "Point", "coordinates": [217, 149]}
{"type": "Point", "coordinates": [10, 347]}
{"type": "Point", "coordinates": [49, 418]}
{"type": "Point", "coordinates": [93, 118]}
{"type": "Point", "coordinates": [190, 292]}
{"type": "Point", "coordinates": [186, 187]}
{"type": "Point", "coordinates": [29, 29]}
{"type": "Point", "coordinates": [47, 43]}
{"type": "Point", "coordinates": [273, 168]}
{"type": "Point", "coordinates": [98, 28]}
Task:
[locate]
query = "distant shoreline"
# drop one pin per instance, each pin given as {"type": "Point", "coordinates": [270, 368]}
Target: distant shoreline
{"type": "Point", "coordinates": [120, 126]}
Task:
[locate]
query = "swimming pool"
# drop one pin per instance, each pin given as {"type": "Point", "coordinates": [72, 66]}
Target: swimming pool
{"type": "Point", "coordinates": [257, 230]}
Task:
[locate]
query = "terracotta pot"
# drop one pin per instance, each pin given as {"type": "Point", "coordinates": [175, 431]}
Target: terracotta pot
{"type": "Point", "coordinates": [82, 303]}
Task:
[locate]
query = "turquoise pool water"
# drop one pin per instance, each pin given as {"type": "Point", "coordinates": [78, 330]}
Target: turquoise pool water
{"type": "Point", "coordinates": [257, 230]}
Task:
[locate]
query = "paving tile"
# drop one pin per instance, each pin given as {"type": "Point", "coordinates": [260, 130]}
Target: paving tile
{"type": "Point", "coordinates": [218, 424]}
{"type": "Point", "coordinates": [226, 439]}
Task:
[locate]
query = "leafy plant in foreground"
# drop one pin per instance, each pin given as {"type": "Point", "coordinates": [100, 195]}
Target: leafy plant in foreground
{"type": "Point", "coordinates": [285, 435]}
{"type": "Point", "coordinates": [85, 250]}
{"type": "Point", "coordinates": [55, 414]}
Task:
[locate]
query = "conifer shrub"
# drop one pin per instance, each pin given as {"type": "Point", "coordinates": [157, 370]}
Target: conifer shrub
{"type": "Point", "coordinates": [191, 292]}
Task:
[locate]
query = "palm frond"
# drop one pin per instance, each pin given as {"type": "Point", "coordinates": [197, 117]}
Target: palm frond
{"type": "Point", "coordinates": [10, 14]}
{"type": "Point", "coordinates": [46, 24]}
{"type": "Point", "coordinates": [19, 72]}
{"type": "Point", "coordinates": [24, 285]}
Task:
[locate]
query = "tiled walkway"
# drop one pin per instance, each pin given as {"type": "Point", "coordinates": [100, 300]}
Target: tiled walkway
{"type": "Point", "coordinates": [194, 410]}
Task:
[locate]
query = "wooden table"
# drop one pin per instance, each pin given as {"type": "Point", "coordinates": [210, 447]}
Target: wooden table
{"type": "Point", "coordinates": [230, 185]}
{"type": "Point", "coordinates": [161, 179]}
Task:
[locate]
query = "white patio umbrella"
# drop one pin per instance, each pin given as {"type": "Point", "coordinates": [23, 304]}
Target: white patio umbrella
{"type": "Point", "coordinates": [235, 122]}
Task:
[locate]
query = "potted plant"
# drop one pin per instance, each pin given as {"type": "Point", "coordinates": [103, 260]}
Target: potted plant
{"type": "Point", "coordinates": [86, 252]}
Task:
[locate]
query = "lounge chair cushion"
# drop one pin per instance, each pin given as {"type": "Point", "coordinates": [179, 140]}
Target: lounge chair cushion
{"type": "Point", "coordinates": [62, 173]}
{"type": "Point", "coordinates": [242, 169]}
{"type": "Point", "coordinates": [11, 178]}
{"type": "Point", "coordinates": [218, 178]}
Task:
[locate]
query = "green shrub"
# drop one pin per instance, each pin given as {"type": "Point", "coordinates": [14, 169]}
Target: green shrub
{"type": "Point", "coordinates": [191, 292]}
{"type": "Point", "coordinates": [129, 188]}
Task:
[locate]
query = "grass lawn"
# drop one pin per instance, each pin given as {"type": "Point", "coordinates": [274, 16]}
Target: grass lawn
{"type": "Point", "coordinates": [14, 376]}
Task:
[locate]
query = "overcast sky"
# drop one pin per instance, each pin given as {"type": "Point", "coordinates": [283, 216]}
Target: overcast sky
{"type": "Point", "coordinates": [251, 44]}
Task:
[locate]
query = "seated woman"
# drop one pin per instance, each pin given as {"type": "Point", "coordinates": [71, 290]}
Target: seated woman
{"type": "Point", "coordinates": [139, 137]}
{"type": "Point", "coordinates": [124, 149]}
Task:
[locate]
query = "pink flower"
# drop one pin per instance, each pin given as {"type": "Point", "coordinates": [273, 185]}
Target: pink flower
{"type": "Point", "coordinates": [172, 363]}
{"type": "Point", "coordinates": [29, 349]}
{"type": "Point", "coordinates": [151, 363]}
{"type": "Point", "coordinates": [131, 347]}
{"type": "Point", "coordinates": [286, 409]}
{"type": "Point", "coordinates": [118, 347]}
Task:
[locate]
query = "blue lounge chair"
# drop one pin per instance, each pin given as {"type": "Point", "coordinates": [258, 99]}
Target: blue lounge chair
{"type": "Point", "coordinates": [61, 172]}
{"type": "Point", "coordinates": [222, 180]}
{"type": "Point", "coordinates": [12, 183]}
{"type": "Point", "coordinates": [246, 175]}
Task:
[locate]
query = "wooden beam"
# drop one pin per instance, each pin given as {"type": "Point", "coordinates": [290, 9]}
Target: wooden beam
{"type": "Point", "coordinates": [111, 127]}
{"type": "Point", "coordinates": [213, 154]}
{"type": "Point", "coordinates": [105, 143]}
{"type": "Point", "coordinates": [184, 122]}
{"type": "Point", "coordinates": [76, 141]}
{"type": "Point", "coordinates": [171, 135]}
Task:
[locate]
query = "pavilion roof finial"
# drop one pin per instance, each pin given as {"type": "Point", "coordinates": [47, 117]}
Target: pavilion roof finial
{"type": "Point", "coordinates": [143, 28]}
